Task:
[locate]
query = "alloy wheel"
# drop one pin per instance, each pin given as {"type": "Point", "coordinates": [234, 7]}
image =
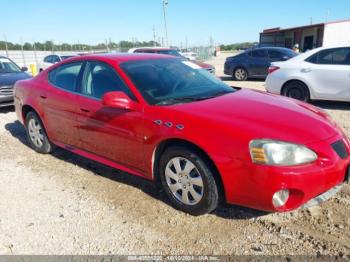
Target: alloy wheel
{"type": "Point", "coordinates": [35, 133]}
{"type": "Point", "coordinates": [240, 74]}
{"type": "Point", "coordinates": [184, 181]}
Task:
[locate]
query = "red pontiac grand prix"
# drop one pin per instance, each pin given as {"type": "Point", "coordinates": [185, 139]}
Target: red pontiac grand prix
{"type": "Point", "coordinates": [160, 118]}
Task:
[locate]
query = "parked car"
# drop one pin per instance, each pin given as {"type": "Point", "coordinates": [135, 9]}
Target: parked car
{"type": "Point", "coordinates": [190, 55]}
{"type": "Point", "coordinates": [320, 74]}
{"type": "Point", "coordinates": [9, 74]}
{"type": "Point", "coordinates": [203, 142]}
{"type": "Point", "coordinates": [173, 52]}
{"type": "Point", "coordinates": [254, 63]}
{"type": "Point", "coordinates": [52, 59]}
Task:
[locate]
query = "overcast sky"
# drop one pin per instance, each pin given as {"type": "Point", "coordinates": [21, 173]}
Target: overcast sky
{"type": "Point", "coordinates": [92, 21]}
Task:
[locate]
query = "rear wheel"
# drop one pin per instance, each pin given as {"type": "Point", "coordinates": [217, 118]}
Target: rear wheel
{"type": "Point", "coordinates": [240, 74]}
{"type": "Point", "coordinates": [36, 134]}
{"type": "Point", "coordinates": [188, 181]}
{"type": "Point", "coordinates": [297, 90]}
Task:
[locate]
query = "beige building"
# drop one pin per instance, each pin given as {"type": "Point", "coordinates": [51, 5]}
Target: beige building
{"type": "Point", "coordinates": [309, 36]}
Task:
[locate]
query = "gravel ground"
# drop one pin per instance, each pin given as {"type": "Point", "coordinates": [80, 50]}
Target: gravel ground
{"type": "Point", "coordinates": [65, 204]}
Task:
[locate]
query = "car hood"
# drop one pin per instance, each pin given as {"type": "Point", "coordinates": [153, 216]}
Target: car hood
{"type": "Point", "coordinates": [256, 114]}
{"type": "Point", "coordinates": [12, 78]}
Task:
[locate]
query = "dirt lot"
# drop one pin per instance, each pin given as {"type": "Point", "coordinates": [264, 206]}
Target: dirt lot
{"type": "Point", "coordinates": [65, 204]}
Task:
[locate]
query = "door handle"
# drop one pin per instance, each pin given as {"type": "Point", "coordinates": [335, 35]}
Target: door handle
{"type": "Point", "coordinates": [43, 97]}
{"type": "Point", "coordinates": [85, 110]}
{"type": "Point", "coordinates": [306, 70]}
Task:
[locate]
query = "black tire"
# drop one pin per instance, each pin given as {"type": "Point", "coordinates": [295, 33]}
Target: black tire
{"type": "Point", "coordinates": [46, 146]}
{"type": "Point", "coordinates": [240, 74]}
{"type": "Point", "coordinates": [297, 90]}
{"type": "Point", "coordinates": [210, 195]}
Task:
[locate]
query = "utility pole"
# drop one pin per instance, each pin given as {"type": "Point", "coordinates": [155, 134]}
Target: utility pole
{"type": "Point", "coordinates": [327, 15]}
{"type": "Point", "coordinates": [154, 37]}
{"type": "Point", "coordinates": [6, 47]}
{"type": "Point", "coordinates": [165, 3]}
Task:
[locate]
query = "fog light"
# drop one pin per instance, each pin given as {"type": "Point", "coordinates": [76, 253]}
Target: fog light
{"type": "Point", "coordinates": [280, 198]}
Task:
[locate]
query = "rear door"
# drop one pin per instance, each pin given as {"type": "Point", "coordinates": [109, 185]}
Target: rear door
{"type": "Point", "coordinates": [328, 71]}
{"type": "Point", "coordinates": [258, 63]}
{"type": "Point", "coordinates": [112, 133]}
{"type": "Point", "coordinates": [60, 100]}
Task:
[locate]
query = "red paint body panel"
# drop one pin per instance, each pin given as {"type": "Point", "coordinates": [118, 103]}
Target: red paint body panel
{"type": "Point", "coordinates": [222, 127]}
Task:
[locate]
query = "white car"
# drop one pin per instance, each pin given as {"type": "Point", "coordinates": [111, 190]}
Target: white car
{"type": "Point", "coordinates": [320, 74]}
{"type": "Point", "coordinates": [190, 56]}
{"type": "Point", "coordinates": [52, 59]}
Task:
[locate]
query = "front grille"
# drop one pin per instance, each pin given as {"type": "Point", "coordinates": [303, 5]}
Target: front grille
{"type": "Point", "coordinates": [340, 149]}
{"type": "Point", "coordinates": [6, 90]}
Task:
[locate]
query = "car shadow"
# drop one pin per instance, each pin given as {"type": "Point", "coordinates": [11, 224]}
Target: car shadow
{"type": "Point", "coordinates": [225, 211]}
{"type": "Point", "coordinates": [332, 105]}
{"type": "Point", "coordinates": [7, 109]}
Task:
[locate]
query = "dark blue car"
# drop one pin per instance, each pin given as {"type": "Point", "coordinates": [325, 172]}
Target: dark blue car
{"type": "Point", "coordinates": [10, 73]}
{"type": "Point", "coordinates": [254, 63]}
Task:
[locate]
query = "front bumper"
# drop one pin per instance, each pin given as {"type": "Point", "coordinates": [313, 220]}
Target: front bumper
{"type": "Point", "coordinates": [6, 101]}
{"type": "Point", "coordinates": [254, 185]}
{"type": "Point", "coordinates": [6, 96]}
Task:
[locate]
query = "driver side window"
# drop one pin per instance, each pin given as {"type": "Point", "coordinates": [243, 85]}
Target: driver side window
{"type": "Point", "coordinates": [99, 78]}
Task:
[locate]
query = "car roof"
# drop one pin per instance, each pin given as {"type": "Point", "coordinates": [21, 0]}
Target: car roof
{"type": "Point", "coordinates": [311, 52]}
{"type": "Point", "coordinates": [121, 57]}
{"type": "Point", "coordinates": [158, 48]}
{"type": "Point", "coordinates": [270, 48]}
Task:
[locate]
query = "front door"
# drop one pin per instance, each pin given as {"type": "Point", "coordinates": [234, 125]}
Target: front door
{"type": "Point", "coordinates": [112, 133]}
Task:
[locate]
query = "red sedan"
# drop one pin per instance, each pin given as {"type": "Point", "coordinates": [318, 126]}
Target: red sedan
{"type": "Point", "coordinates": [160, 118]}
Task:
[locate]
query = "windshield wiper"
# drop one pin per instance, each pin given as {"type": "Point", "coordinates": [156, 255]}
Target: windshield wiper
{"type": "Point", "coordinates": [172, 101]}
{"type": "Point", "coordinates": [191, 99]}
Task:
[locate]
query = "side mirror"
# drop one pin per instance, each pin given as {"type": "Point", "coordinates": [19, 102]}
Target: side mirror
{"type": "Point", "coordinates": [120, 100]}
{"type": "Point", "coordinates": [24, 69]}
{"type": "Point", "coordinates": [285, 58]}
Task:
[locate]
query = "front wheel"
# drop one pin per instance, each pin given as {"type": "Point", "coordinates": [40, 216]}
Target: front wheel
{"type": "Point", "coordinates": [188, 181]}
{"type": "Point", "coordinates": [36, 134]}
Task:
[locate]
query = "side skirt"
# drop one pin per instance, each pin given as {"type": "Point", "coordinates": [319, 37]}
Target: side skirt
{"type": "Point", "coordinates": [99, 159]}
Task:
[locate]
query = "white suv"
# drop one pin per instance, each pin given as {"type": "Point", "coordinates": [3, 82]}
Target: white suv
{"type": "Point", "coordinates": [320, 74]}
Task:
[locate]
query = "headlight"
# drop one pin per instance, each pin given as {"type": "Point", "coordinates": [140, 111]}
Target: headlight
{"type": "Point", "coordinates": [277, 153]}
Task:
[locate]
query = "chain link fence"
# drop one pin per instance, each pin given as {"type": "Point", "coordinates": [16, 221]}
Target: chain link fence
{"type": "Point", "coordinates": [33, 58]}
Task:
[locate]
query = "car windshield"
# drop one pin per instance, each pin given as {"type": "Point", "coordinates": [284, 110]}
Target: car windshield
{"type": "Point", "coordinates": [171, 81]}
{"type": "Point", "coordinates": [170, 52]}
{"type": "Point", "coordinates": [64, 57]}
{"type": "Point", "coordinates": [7, 66]}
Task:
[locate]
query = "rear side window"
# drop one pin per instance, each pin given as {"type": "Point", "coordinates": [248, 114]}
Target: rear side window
{"type": "Point", "coordinates": [336, 56]}
{"type": "Point", "coordinates": [66, 76]}
{"type": "Point", "coordinates": [55, 59]}
{"type": "Point", "coordinates": [259, 53]}
{"type": "Point", "coordinates": [276, 54]}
